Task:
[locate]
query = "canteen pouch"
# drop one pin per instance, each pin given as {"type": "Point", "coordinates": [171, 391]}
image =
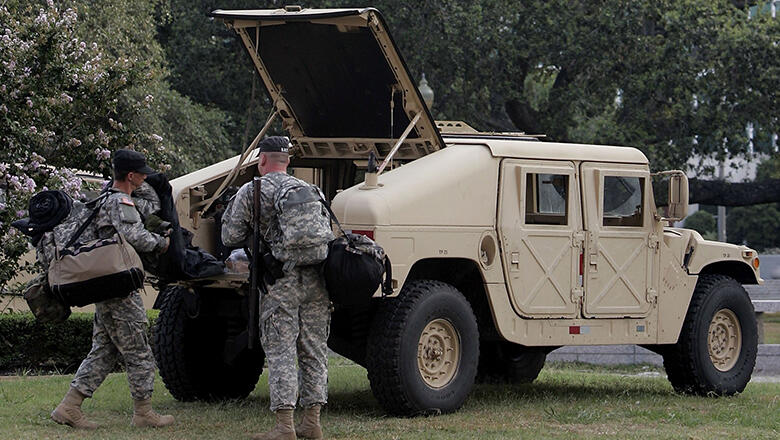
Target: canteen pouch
{"type": "Point", "coordinates": [43, 303]}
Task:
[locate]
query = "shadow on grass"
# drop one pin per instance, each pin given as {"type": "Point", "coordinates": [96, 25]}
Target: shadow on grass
{"type": "Point", "coordinates": [544, 392]}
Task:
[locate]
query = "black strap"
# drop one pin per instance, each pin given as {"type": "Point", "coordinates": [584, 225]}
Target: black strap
{"type": "Point", "coordinates": [387, 289]}
{"type": "Point", "coordinates": [99, 204]}
{"type": "Point", "coordinates": [333, 217]}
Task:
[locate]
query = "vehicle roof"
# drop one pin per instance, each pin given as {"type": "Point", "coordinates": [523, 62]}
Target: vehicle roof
{"type": "Point", "coordinates": [530, 148]}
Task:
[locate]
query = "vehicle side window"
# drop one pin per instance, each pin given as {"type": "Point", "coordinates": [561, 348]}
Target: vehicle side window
{"type": "Point", "coordinates": [547, 199]}
{"type": "Point", "coordinates": [623, 200]}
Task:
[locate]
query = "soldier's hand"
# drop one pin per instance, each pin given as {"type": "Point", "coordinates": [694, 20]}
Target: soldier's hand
{"type": "Point", "coordinates": [167, 243]}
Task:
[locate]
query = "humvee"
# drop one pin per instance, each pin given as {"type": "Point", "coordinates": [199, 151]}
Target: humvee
{"type": "Point", "coordinates": [503, 247]}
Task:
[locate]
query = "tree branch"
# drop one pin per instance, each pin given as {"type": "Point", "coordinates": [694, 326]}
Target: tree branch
{"type": "Point", "coordinates": [722, 193]}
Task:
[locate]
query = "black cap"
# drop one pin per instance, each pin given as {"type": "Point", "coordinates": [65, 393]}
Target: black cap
{"type": "Point", "coordinates": [274, 144]}
{"type": "Point", "coordinates": [129, 160]}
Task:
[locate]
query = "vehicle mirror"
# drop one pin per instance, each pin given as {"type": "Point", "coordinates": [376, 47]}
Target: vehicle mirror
{"type": "Point", "coordinates": [678, 196]}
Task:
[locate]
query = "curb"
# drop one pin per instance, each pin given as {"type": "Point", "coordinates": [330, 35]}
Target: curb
{"type": "Point", "coordinates": [767, 360]}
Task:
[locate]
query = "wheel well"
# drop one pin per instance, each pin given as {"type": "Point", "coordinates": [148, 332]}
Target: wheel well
{"type": "Point", "coordinates": [464, 275]}
{"type": "Point", "coordinates": [739, 271]}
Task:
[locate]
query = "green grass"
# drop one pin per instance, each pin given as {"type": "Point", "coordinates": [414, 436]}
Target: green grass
{"type": "Point", "coordinates": [564, 403]}
{"type": "Point", "coordinates": [771, 328]}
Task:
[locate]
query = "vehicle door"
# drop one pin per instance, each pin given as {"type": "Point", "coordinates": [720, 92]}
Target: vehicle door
{"type": "Point", "coordinates": [538, 217]}
{"type": "Point", "coordinates": [620, 243]}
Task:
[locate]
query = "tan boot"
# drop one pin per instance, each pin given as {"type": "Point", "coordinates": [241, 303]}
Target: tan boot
{"type": "Point", "coordinates": [144, 415]}
{"type": "Point", "coordinates": [68, 412]}
{"type": "Point", "coordinates": [284, 429]}
{"type": "Point", "coordinates": [310, 426]}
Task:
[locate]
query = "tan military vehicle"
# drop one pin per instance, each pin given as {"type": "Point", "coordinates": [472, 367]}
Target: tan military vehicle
{"type": "Point", "coordinates": [503, 247]}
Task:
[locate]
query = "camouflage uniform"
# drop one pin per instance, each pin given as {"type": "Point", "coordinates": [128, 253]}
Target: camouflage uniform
{"type": "Point", "coordinates": [146, 200]}
{"type": "Point", "coordinates": [120, 324]}
{"type": "Point", "coordinates": [294, 316]}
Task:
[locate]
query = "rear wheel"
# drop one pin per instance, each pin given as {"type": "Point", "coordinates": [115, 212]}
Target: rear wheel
{"type": "Point", "coordinates": [423, 350]}
{"type": "Point", "coordinates": [716, 351]}
{"type": "Point", "coordinates": [191, 348]}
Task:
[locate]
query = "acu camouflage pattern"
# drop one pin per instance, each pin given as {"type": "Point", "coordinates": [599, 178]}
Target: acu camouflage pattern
{"type": "Point", "coordinates": [294, 316]}
{"type": "Point", "coordinates": [303, 224]}
{"type": "Point", "coordinates": [304, 227]}
{"type": "Point", "coordinates": [294, 323]}
{"type": "Point", "coordinates": [120, 324]}
{"type": "Point", "coordinates": [146, 200]}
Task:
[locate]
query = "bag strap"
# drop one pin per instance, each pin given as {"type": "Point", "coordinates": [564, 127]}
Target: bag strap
{"type": "Point", "coordinates": [333, 216]}
{"type": "Point", "coordinates": [387, 289]}
{"type": "Point", "coordinates": [99, 202]}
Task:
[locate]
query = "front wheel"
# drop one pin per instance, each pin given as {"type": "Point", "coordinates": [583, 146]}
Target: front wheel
{"type": "Point", "coordinates": [716, 351]}
{"type": "Point", "coordinates": [423, 350]}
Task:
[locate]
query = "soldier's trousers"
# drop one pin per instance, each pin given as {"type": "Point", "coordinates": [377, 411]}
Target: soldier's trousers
{"type": "Point", "coordinates": [119, 329]}
{"type": "Point", "coordinates": [294, 325]}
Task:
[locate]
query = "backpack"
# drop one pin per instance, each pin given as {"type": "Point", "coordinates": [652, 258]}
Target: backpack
{"type": "Point", "coordinates": [304, 224]}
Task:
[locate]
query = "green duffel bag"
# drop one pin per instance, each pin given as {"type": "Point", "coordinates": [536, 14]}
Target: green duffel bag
{"type": "Point", "coordinates": [43, 303]}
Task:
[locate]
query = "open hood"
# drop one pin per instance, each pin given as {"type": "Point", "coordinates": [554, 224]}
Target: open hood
{"type": "Point", "coordinates": [338, 81]}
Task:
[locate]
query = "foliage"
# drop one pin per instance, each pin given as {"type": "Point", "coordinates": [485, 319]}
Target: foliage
{"type": "Point", "coordinates": [29, 345]}
{"type": "Point", "coordinates": [674, 78]}
{"type": "Point", "coordinates": [702, 222]}
{"type": "Point", "coordinates": [75, 86]}
{"type": "Point", "coordinates": [58, 102]}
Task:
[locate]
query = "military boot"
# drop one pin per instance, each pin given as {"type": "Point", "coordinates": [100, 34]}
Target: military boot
{"type": "Point", "coordinates": [310, 427]}
{"type": "Point", "coordinates": [68, 412]}
{"type": "Point", "coordinates": [144, 415]}
{"type": "Point", "coordinates": [284, 429]}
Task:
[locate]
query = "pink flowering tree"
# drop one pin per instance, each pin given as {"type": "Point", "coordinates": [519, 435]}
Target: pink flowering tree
{"type": "Point", "coordinates": [59, 98]}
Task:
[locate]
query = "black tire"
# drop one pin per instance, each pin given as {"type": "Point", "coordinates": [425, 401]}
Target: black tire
{"type": "Point", "coordinates": [505, 362]}
{"type": "Point", "coordinates": [189, 353]}
{"type": "Point", "coordinates": [395, 347]}
{"type": "Point", "coordinates": [689, 364]}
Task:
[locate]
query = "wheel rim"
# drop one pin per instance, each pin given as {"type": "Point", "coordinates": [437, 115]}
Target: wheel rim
{"type": "Point", "coordinates": [724, 340]}
{"type": "Point", "coordinates": [438, 353]}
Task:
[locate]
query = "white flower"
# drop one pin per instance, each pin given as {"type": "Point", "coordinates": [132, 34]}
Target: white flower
{"type": "Point", "coordinates": [29, 102]}
{"type": "Point", "coordinates": [156, 137]}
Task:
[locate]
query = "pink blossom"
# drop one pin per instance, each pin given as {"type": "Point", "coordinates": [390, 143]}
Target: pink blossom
{"type": "Point", "coordinates": [33, 129]}
{"type": "Point", "coordinates": [20, 213]}
{"type": "Point", "coordinates": [102, 154]}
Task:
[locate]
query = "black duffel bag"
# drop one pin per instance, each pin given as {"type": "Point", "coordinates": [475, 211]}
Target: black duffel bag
{"type": "Point", "coordinates": [354, 270]}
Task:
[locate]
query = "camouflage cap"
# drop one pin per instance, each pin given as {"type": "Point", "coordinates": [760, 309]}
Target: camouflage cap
{"type": "Point", "coordinates": [275, 144]}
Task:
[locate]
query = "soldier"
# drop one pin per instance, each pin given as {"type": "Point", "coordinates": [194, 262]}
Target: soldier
{"type": "Point", "coordinates": [294, 315]}
{"type": "Point", "coordinates": [120, 324]}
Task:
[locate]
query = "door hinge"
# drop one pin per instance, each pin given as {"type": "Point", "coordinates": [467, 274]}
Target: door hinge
{"type": "Point", "coordinates": [652, 295]}
{"type": "Point", "coordinates": [652, 241]}
{"type": "Point", "coordinates": [578, 240]}
{"type": "Point", "coordinates": [576, 294]}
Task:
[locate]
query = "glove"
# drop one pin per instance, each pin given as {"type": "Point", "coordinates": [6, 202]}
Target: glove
{"type": "Point", "coordinates": [154, 223]}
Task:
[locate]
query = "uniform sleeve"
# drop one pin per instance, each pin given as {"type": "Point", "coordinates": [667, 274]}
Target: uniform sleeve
{"type": "Point", "coordinates": [44, 251]}
{"type": "Point", "coordinates": [126, 219]}
{"type": "Point", "coordinates": [146, 200]}
{"type": "Point", "coordinates": [237, 219]}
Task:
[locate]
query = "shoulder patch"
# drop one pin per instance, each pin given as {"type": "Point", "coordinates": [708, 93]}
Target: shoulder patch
{"type": "Point", "coordinates": [126, 201]}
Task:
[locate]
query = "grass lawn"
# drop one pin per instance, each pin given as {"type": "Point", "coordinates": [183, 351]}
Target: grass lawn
{"type": "Point", "coordinates": [771, 328]}
{"type": "Point", "coordinates": [566, 402]}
